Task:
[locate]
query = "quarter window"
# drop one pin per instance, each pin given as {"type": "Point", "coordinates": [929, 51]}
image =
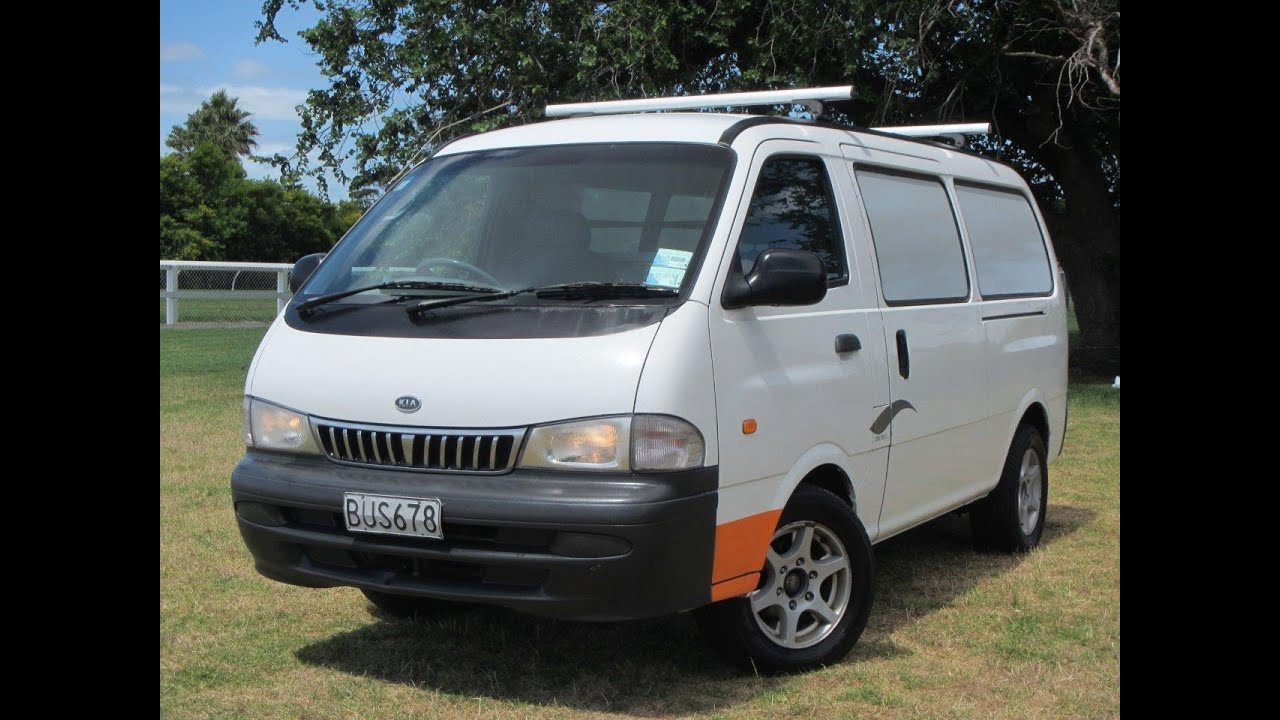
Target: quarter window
{"type": "Point", "coordinates": [916, 238]}
{"type": "Point", "coordinates": [792, 207]}
{"type": "Point", "coordinates": [1008, 248]}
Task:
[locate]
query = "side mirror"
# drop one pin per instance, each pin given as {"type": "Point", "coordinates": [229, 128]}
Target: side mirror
{"type": "Point", "coordinates": [779, 277]}
{"type": "Point", "coordinates": [303, 269]}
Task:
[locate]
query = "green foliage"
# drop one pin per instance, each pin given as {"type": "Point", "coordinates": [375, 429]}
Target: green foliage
{"type": "Point", "coordinates": [402, 71]}
{"type": "Point", "coordinates": [209, 210]}
{"type": "Point", "coordinates": [217, 121]}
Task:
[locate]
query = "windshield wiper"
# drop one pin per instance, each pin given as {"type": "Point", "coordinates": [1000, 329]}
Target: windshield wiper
{"type": "Point", "coordinates": [605, 290]}
{"type": "Point", "coordinates": [568, 291]}
{"type": "Point", "coordinates": [306, 307]}
{"type": "Point", "coordinates": [446, 302]}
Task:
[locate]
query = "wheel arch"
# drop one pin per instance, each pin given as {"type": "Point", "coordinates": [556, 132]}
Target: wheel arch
{"type": "Point", "coordinates": [1034, 410]}
{"type": "Point", "coordinates": [740, 544]}
{"type": "Point", "coordinates": [825, 466]}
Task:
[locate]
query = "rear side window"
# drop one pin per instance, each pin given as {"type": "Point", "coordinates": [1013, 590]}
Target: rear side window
{"type": "Point", "coordinates": [916, 238]}
{"type": "Point", "coordinates": [792, 208]}
{"type": "Point", "coordinates": [1008, 248]}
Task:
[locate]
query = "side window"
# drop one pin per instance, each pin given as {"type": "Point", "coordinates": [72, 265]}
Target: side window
{"type": "Point", "coordinates": [1008, 248]}
{"type": "Point", "coordinates": [916, 239]}
{"type": "Point", "coordinates": [792, 207]}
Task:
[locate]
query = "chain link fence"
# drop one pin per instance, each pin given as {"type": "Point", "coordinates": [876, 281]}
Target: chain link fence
{"type": "Point", "coordinates": [228, 292]}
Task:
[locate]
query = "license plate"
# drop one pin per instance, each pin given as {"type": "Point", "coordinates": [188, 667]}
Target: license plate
{"type": "Point", "coordinates": [392, 515]}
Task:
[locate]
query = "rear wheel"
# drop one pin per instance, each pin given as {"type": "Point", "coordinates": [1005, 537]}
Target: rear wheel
{"type": "Point", "coordinates": [1011, 518]}
{"type": "Point", "coordinates": [814, 594]}
{"type": "Point", "coordinates": [407, 607]}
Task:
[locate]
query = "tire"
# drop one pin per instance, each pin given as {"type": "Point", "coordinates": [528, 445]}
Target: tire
{"type": "Point", "coordinates": [756, 642]}
{"type": "Point", "coordinates": [406, 607]}
{"type": "Point", "coordinates": [1011, 517]}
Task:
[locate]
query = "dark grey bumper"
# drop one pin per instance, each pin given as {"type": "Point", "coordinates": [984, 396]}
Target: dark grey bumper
{"type": "Point", "coordinates": [583, 547]}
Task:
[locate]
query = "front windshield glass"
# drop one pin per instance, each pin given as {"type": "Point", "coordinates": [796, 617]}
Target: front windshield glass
{"type": "Point", "coordinates": [532, 217]}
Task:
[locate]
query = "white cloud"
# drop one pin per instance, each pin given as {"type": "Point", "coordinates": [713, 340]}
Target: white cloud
{"type": "Point", "coordinates": [180, 52]}
{"type": "Point", "coordinates": [269, 103]}
{"type": "Point", "coordinates": [249, 69]}
{"type": "Point", "coordinates": [175, 100]}
{"type": "Point", "coordinates": [271, 148]}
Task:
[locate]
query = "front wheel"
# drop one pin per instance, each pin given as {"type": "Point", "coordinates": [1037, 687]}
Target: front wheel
{"type": "Point", "coordinates": [814, 595]}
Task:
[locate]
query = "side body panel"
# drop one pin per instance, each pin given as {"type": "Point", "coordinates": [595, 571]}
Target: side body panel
{"type": "Point", "coordinates": [813, 407]}
{"type": "Point", "coordinates": [938, 421]}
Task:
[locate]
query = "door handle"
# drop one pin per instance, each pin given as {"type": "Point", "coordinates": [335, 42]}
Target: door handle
{"type": "Point", "coordinates": [847, 343]}
{"type": "Point", "coordinates": [904, 359]}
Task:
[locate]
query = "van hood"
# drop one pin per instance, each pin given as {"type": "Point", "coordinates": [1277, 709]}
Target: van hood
{"type": "Point", "coordinates": [461, 382]}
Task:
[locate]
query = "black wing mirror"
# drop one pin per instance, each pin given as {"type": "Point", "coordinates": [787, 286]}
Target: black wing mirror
{"type": "Point", "coordinates": [303, 269]}
{"type": "Point", "coordinates": [779, 277]}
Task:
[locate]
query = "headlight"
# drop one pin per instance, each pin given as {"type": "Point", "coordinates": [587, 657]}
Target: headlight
{"type": "Point", "coordinates": [271, 427]}
{"type": "Point", "coordinates": [599, 444]}
{"type": "Point", "coordinates": [615, 444]}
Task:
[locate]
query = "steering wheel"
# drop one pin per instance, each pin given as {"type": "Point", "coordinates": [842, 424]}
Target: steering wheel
{"type": "Point", "coordinates": [465, 266]}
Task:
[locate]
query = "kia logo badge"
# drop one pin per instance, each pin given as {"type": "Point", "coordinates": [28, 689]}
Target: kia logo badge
{"type": "Point", "coordinates": [408, 404]}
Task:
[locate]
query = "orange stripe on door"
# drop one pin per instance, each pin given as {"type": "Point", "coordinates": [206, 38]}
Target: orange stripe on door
{"type": "Point", "coordinates": [740, 547]}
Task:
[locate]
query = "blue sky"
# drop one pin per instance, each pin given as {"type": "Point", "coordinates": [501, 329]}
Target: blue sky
{"type": "Point", "coordinates": [209, 45]}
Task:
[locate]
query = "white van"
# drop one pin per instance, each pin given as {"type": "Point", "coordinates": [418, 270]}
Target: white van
{"type": "Point", "coordinates": [628, 364]}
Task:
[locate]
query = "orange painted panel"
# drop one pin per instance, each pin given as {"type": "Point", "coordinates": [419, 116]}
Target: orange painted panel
{"type": "Point", "coordinates": [735, 587]}
{"type": "Point", "coordinates": [741, 544]}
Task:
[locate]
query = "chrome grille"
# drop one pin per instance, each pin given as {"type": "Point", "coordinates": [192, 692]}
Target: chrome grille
{"type": "Point", "coordinates": [426, 449]}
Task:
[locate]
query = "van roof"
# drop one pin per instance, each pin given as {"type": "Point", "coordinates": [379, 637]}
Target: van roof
{"type": "Point", "coordinates": [715, 128]}
{"type": "Point", "coordinates": [635, 127]}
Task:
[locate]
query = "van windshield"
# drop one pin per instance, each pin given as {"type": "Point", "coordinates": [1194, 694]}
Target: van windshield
{"type": "Point", "coordinates": [634, 213]}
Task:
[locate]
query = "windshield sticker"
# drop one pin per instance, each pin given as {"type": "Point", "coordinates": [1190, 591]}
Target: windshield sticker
{"type": "Point", "coordinates": [668, 267]}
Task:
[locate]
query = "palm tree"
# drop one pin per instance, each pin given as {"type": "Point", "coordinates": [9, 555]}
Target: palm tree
{"type": "Point", "coordinates": [216, 121]}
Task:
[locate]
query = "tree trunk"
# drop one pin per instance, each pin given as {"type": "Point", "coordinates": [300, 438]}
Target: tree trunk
{"type": "Point", "coordinates": [1087, 235]}
{"type": "Point", "coordinates": [1091, 261]}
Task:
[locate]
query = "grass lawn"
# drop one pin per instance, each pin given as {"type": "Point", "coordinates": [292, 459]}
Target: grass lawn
{"type": "Point", "coordinates": [953, 633]}
{"type": "Point", "coordinates": [220, 310]}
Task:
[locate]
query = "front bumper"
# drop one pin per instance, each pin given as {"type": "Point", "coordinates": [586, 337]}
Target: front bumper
{"type": "Point", "coordinates": [583, 547]}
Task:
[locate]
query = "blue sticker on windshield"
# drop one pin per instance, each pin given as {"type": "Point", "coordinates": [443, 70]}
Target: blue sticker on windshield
{"type": "Point", "coordinates": [668, 267]}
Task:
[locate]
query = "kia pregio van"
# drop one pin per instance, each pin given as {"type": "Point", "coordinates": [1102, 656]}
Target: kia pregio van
{"type": "Point", "coordinates": [627, 364]}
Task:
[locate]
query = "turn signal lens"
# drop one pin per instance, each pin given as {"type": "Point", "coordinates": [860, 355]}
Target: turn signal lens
{"type": "Point", "coordinates": [662, 442]}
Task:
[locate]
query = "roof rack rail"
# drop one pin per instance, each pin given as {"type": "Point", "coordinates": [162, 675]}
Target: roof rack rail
{"type": "Point", "coordinates": [954, 132]}
{"type": "Point", "coordinates": [812, 98]}
{"type": "Point", "coordinates": [936, 130]}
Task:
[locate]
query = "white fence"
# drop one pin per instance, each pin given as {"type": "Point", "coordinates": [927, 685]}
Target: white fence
{"type": "Point", "coordinates": [222, 291]}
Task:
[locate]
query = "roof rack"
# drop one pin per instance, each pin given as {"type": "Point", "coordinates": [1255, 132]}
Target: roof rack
{"type": "Point", "coordinates": [811, 98]}
{"type": "Point", "coordinates": [937, 130]}
{"type": "Point", "coordinates": [954, 132]}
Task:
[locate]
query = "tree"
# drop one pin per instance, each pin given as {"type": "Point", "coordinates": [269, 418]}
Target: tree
{"type": "Point", "coordinates": [217, 121]}
{"type": "Point", "coordinates": [408, 74]}
{"type": "Point", "coordinates": [209, 210]}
